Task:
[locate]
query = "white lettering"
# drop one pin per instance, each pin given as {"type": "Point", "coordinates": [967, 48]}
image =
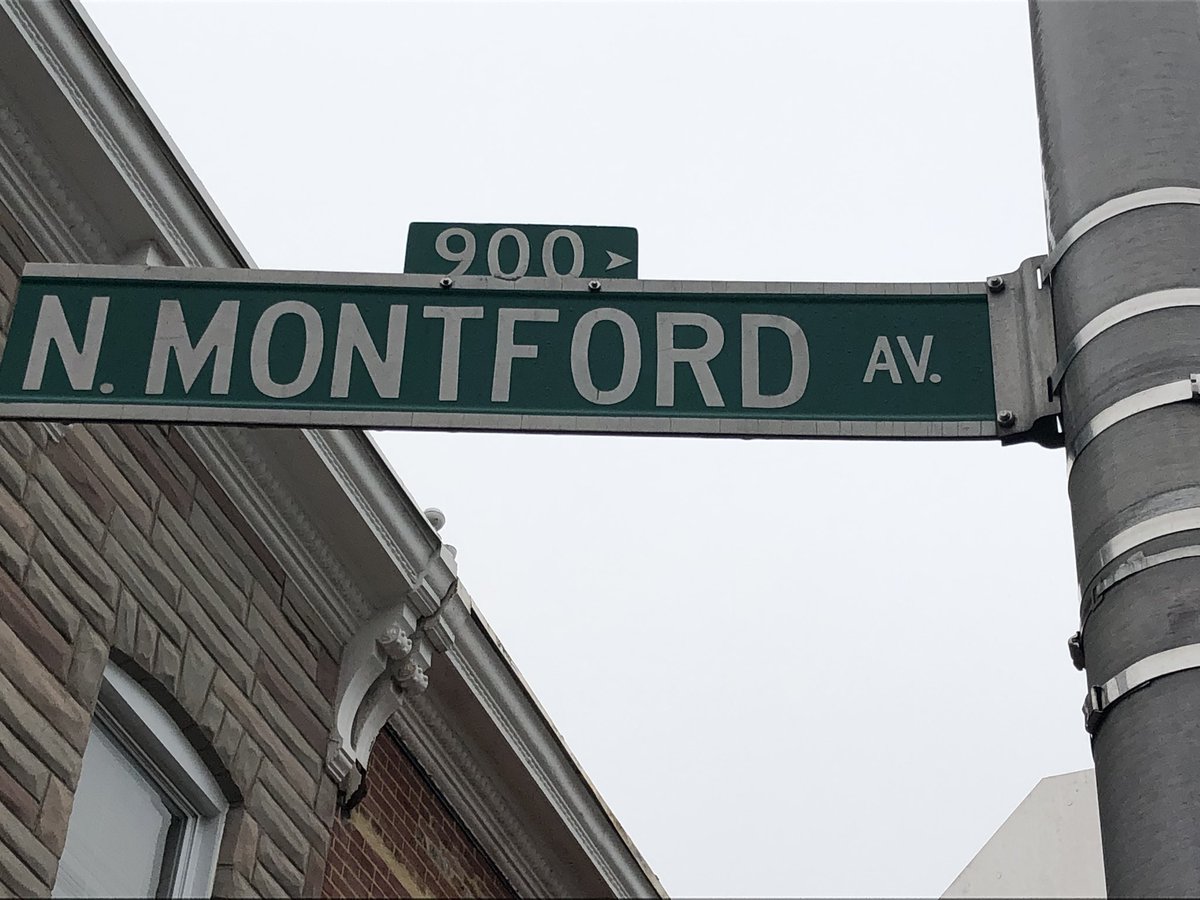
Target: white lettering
{"type": "Point", "coordinates": [576, 252]}
{"type": "Point", "coordinates": [698, 358]}
{"type": "Point", "coordinates": [752, 325]}
{"type": "Point", "coordinates": [493, 254]}
{"type": "Point", "coordinates": [631, 363]}
{"type": "Point", "coordinates": [452, 318]}
{"type": "Point", "coordinates": [463, 257]}
{"type": "Point", "coordinates": [52, 328]}
{"type": "Point", "coordinates": [171, 336]}
{"type": "Point", "coordinates": [260, 349]}
{"type": "Point", "coordinates": [507, 350]}
{"type": "Point", "coordinates": [918, 367]}
{"type": "Point", "coordinates": [353, 337]}
{"type": "Point", "coordinates": [882, 360]}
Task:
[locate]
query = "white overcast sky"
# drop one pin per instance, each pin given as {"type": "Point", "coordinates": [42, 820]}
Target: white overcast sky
{"type": "Point", "coordinates": [791, 668]}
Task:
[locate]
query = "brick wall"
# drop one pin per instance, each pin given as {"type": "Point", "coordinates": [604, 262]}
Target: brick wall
{"type": "Point", "coordinates": [403, 840]}
{"type": "Point", "coordinates": [114, 539]}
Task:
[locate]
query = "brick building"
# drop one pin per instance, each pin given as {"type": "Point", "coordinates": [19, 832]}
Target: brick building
{"type": "Point", "coordinates": [236, 660]}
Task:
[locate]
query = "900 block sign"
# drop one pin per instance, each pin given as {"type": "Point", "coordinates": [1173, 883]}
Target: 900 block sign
{"type": "Point", "coordinates": [515, 251]}
{"type": "Point", "coordinates": [400, 351]}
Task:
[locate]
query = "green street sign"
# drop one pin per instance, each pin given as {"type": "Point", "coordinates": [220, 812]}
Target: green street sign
{"type": "Point", "coordinates": [551, 355]}
{"type": "Point", "coordinates": [519, 251]}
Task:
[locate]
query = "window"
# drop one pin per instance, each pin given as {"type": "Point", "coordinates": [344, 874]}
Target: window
{"type": "Point", "coordinates": [147, 815]}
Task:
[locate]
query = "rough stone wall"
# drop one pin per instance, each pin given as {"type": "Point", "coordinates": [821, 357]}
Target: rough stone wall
{"type": "Point", "coordinates": [115, 539]}
{"type": "Point", "coordinates": [402, 840]}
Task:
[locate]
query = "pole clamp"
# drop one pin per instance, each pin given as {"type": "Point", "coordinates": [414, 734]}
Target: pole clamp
{"type": "Point", "coordinates": [1172, 298]}
{"type": "Point", "coordinates": [1101, 697]}
{"type": "Point", "coordinates": [1110, 209]}
{"type": "Point", "coordinates": [1138, 562]}
{"type": "Point", "coordinates": [1075, 649]}
{"type": "Point", "coordinates": [1129, 539]}
{"type": "Point", "coordinates": [1185, 389]}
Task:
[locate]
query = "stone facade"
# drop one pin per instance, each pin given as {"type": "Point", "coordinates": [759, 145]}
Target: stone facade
{"type": "Point", "coordinates": [116, 540]}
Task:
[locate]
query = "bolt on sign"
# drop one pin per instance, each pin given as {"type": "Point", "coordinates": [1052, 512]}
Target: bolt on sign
{"type": "Point", "coordinates": [477, 353]}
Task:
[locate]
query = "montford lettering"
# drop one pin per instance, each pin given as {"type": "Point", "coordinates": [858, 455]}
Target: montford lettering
{"type": "Point", "coordinates": [383, 360]}
{"type": "Point", "coordinates": [318, 348]}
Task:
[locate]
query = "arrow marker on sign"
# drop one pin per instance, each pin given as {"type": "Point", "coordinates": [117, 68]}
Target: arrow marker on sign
{"type": "Point", "coordinates": [616, 260]}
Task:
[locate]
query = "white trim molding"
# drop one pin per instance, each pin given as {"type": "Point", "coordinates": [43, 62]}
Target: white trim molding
{"type": "Point", "coordinates": [120, 123]}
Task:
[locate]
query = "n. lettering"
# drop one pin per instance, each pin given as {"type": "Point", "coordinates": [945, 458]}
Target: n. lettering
{"type": "Point", "coordinates": [52, 328]}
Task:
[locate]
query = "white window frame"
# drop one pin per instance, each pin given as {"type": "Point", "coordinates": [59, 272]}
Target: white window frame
{"type": "Point", "coordinates": [155, 742]}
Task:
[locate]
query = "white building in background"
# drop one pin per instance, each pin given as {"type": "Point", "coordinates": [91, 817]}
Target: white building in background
{"type": "Point", "coordinates": [1048, 847]}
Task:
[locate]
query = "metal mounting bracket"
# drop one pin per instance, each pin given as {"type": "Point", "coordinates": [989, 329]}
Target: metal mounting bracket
{"type": "Point", "coordinates": [1023, 355]}
{"type": "Point", "coordinates": [1101, 697]}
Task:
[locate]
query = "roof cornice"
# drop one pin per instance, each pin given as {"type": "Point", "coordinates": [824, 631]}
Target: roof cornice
{"type": "Point", "coordinates": [87, 73]}
{"type": "Point", "coordinates": [511, 705]}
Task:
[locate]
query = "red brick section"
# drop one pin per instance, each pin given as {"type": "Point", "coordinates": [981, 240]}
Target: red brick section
{"type": "Point", "coordinates": [402, 839]}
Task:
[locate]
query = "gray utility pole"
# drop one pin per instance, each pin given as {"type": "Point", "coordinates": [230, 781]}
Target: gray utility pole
{"type": "Point", "coordinates": [1118, 93]}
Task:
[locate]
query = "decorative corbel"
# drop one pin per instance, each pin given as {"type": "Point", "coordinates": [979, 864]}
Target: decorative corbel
{"type": "Point", "coordinates": [385, 661]}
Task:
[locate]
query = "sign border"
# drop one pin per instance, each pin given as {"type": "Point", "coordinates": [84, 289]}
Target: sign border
{"type": "Point", "coordinates": [485, 282]}
{"type": "Point", "coordinates": [548, 424]}
{"type": "Point", "coordinates": [510, 422]}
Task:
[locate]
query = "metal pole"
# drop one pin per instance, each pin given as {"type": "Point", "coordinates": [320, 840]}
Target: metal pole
{"type": "Point", "coordinates": [1118, 94]}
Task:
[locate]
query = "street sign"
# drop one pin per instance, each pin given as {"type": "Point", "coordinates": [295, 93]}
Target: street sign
{"type": "Point", "coordinates": [518, 251]}
{"type": "Point", "coordinates": [551, 355]}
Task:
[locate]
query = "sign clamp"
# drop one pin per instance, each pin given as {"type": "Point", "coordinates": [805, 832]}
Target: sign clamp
{"type": "Point", "coordinates": [1022, 329]}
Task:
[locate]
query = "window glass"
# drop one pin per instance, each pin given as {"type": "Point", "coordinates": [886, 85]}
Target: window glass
{"type": "Point", "coordinates": [147, 815]}
{"type": "Point", "coordinates": [121, 830]}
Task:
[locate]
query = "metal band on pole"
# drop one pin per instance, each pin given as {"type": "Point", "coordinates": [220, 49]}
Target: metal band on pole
{"type": "Point", "coordinates": [1101, 697]}
{"type": "Point", "coordinates": [1150, 398]}
{"type": "Point", "coordinates": [1118, 96]}
{"type": "Point", "coordinates": [1172, 298]}
{"type": "Point", "coordinates": [1137, 534]}
{"type": "Point", "coordinates": [1110, 209]}
{"type": "Point", "coordinates": [1138, 562]}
